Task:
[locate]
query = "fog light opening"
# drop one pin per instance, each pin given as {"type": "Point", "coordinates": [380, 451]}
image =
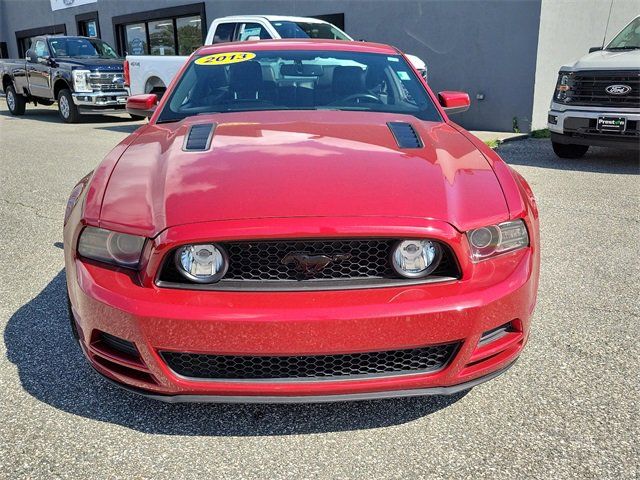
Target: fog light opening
{"type": "Point", "coordinates": [497, 333]}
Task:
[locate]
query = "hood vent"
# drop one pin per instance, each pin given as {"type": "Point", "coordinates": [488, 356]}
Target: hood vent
{"type": "Point", "coordinates": [405, 135]}
{"type": "Point", "coordinates": [199, 137]}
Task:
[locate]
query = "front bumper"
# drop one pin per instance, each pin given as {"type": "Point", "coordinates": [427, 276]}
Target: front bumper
{"type": "Point", "coordinates": [101, 101]}
{"type": "Point", "coordinates": [577, 125]}
{"type": "Point", "coordinates": [300, 323]}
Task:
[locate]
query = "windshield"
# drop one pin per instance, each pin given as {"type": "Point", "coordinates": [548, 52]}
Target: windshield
{"type": "Point", "coordinates": [309, 30]}
{"type": "Point", "coordinates": [298, 80]}
{"type": "Point", "coordinates": [629, 38]}
{"type": "Point", "coordinates": [81, 47]}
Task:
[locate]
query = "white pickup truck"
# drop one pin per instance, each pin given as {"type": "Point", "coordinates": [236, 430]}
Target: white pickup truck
{"type": "Point", "coordinates": [597, 98]}
{"type": "Point", "coordinates": [152, 74]}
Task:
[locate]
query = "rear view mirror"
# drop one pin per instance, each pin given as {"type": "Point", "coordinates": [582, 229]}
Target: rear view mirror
{"type": "Point", "coordinates": [142, 105]}
{"type": "Point", "coordinates": [300, 70]}
{"type": "Point", "coordinates": [454, 102]}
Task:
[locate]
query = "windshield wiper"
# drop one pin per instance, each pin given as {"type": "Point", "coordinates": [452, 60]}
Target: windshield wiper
{"type": "Point", "coordinates": [626, 47]}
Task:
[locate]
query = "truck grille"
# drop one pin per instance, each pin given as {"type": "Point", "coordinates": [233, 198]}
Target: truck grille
{"type": "Point", "coordinates": [357, 263]}
{"type": "Point", "coordinates": [588, 88]}
{"type": "Point", "coordinates": [310, 367]}
{"type": "Point", "coordinates": [107, 82]}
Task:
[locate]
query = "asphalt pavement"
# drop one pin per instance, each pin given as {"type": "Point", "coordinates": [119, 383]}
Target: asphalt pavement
{"type": "Point", "coordinates": [568, 409]}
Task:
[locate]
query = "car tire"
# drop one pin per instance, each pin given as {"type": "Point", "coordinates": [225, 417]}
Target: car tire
{"type": "Point", "coordinates": [16, 103]}
{"type": "Point", "coordinates": [67, 109]}
{"type": "Point", "coordinates": [136, 117]}
{"type": "Point", "coordinates": [569, 150]}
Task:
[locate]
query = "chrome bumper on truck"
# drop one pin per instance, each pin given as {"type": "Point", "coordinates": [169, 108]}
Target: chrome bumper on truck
{"type": "Point", "coordinates": [595, 126]}
{"type": "Point", "coordinates": [100, 102]}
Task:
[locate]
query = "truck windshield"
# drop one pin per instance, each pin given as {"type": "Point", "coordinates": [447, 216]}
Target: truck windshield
{"type": "Point", "coordinates": [298, 80]}
{"type": "Point", "coordinates": [627, 39]}
{"type": "Point", "coordinates": [81, 47]}
{"type": "Point", "coordinates": [288, 29]}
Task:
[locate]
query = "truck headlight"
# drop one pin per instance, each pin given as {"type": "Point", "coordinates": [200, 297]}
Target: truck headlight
{"type": "Point", "coordinates": [493, 240]}
{"type": "Point", "coordinates": [119, 249]}
{"type": "Point", "coordinates": [81, 81]}
{"type": "Point", "coordinates": [563, 87]}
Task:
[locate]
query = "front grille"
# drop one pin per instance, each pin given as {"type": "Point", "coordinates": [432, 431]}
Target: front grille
{"type": "Point", "coordinates": [588, 88]}
{"type": "Point", "coordinates": [106, 82]}
{"type": "Point", "coordinates": [263, 260]}
{"type": "Point", "coordinates": [301, 367]}
{"type": "Point", "coordinates": [356, 262]}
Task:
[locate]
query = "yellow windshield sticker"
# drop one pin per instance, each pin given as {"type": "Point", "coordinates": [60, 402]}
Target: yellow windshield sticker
{"type": "Point", "coordinates": [225, 58]}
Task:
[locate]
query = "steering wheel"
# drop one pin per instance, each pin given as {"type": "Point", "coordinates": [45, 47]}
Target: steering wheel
{"type": "Point", "coordinates": [356, 97]}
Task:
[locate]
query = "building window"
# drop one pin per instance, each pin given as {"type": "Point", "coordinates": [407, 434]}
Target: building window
{"type": "Point", "coordinates": [25, 37]}
{"type": "Point", "coordinates": [136, 35]}
{"type": "Point", "coordinates": [336, 19]}
{"type": "Point", "coordinates": [189, 34]}
{"type": "Point", "coordinates": [162, 37]}
{"type": "Point", "coordinates": [167, 31]}
{"type": "Point", "coordinates": [88, 24]}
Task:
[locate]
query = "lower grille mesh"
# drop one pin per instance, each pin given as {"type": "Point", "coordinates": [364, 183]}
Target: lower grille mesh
{"type": "Point", "coordinates": [203, 366]}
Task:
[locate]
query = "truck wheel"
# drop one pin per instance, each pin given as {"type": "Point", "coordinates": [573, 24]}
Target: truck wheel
{"type": "Point", "coordinates": [15, 102]}
{"type": "Point", "coordinates": [66, 108]}
{"type": "Point", "coordinates": [569, 150]}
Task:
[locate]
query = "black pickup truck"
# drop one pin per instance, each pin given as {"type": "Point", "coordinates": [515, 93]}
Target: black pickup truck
{"type": "Point", "coordinates": [84, 75]}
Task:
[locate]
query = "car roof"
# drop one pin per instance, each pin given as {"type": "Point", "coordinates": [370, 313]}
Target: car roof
{"type": "Point", "coordinates": [272, 18]}
{"type": "Point", "coordinates": [299, 44]}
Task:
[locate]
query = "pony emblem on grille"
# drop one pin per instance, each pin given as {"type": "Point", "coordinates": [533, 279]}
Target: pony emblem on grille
{"type": "Point", "coordinates": [312, 264]}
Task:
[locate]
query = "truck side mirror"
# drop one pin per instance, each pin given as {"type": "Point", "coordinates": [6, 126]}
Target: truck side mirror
{"type": "Point", "coordinates": [594, 49]}
{"type": "Point", "coordinates": [454, 102]}
{"type": "Point", "coordinates": [142, 105]}
{"type": "Point", "coordinates": [46, 60]}
{"type": "Point", "coordinates": [30, 56]}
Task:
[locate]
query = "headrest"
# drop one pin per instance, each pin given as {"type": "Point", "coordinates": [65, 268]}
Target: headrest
{"type": "Point", "coordinates": [245, 76]}
{"type": "Point", "coordinates": [348, 80]}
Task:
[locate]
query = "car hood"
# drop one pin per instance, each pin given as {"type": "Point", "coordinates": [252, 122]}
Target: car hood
{"type": "Point", "coordinates": [607, 60]}
{"type": "Point", "coordinates": [297, 164]}
{"type": "Point", "coordinates": [95, 64]}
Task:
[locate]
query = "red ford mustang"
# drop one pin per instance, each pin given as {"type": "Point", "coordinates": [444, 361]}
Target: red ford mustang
{"type": "Point", "coordinates": [300, 221]}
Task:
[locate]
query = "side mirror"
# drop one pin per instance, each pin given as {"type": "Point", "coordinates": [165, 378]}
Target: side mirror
{"type": "Point", "coordinates": [594, 49]}
{"type": "Point", "coordinates": [454, 102]}
{"type": "Point", "coordinates": [30, 56]}
{"type": "Point", "coordinates": [142, 105]}
{"type": "Point", "coordinates": [46, 60]}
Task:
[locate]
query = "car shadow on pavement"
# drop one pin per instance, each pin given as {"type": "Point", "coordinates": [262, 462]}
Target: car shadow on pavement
{"type": "Point", "coordinates": [52, 369]}
{"type": "Point", "coordinates": [538, 153]}
{"type": "Point", "coordinates": [130, 128]}
{"type": "Point", "coordinates": [50, 115]}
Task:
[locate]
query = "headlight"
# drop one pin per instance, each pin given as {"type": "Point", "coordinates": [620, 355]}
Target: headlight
{"type": "Point", "coordinates": [111, 247]}
{"type": "Point", "coordinates": [416, 258]}
{"type": "Point", "coordinates": [204, 263]}
{"type": "Point", "coordinates": [80, 81]}
{"type": "Point", "coordinates": [488, 241]}
{"type": "Point", "coordinates": [563, 87]}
